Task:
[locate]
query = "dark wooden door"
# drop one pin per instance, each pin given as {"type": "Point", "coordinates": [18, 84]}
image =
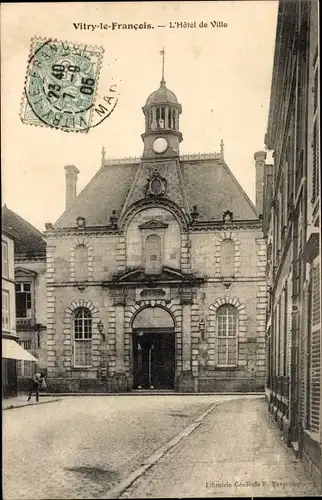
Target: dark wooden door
{"type": "Point", "coordinates": [153, 359]}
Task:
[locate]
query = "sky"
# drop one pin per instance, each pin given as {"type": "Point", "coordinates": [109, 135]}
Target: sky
{"type": "Point", "coordinates": [220, 75]}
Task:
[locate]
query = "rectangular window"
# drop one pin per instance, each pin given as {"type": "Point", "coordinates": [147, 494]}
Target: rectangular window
{"type": "Point", "coordinates": [314, 346]}
{"type": "Point", "coordinates": [83, 350]}
{"type": "Point", "coordinates": [227, 336]}
{"type": "Point", "coordinates": [82, 337]}
{"type": "Point", "coordinates": [5, 261]}
{"type": "Point", "coordinates": [282, 330]}
{"type": "Point", "coordinates": [83, 328]}
{"type": "Point", "coordinates": [25, 369]}
{"type": "Point", "coordinates": [5, 310]}
{"type": "Point", "coordinates": [285, 330]}
{"type": "Point", "coordinates": [316, 161]}
{"type": "Point", "coordinates": [277, 229]}
{"type": "Point", "coordinates": [26, 344]}
{"type": "Point", "coordinates": [277, 339]}
{"type": "Point", "coordinates": [23, 300]}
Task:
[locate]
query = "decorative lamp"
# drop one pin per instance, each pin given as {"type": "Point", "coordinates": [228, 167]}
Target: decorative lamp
{"type": "Point", "coordinates": [100, 327]}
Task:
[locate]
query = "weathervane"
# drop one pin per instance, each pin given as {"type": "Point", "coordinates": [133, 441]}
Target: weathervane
{"type": "Point", "coordinates": [162, 52]}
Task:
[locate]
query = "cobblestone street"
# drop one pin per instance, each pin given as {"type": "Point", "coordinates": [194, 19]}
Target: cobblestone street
{"type": "Point", "coordinates": [237, 451]}
{"type": "Point", "coordinates": [79, 447]}
{"type": "Point", "coordinates": [86, 447]}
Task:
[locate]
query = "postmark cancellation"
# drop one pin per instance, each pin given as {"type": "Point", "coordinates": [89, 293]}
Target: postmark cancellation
{"type": "Point", "coordinates": [61, 84]}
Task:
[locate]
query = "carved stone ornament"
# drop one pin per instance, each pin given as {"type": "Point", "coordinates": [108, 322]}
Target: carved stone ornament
{"type": "Point", "coordinates": [157, 185]}
{"type": "Point", "coordinates": [152, 293]}
{"type": "Point", "coordinates": [114, 219]}
{"type": "Point", "coordinates": [227, 216]}
{"type": "Point", "coordinates": [227, 284]}
{"type": "Point", "coordinates": [154, 224]}
{"type": "Point", "coordinates": [81, 222]}
{"type": "Point", "coordinates": [194, 214]}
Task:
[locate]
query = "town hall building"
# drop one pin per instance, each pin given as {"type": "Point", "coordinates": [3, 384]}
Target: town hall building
{"type": "Point", "coordinates": [156, 271]}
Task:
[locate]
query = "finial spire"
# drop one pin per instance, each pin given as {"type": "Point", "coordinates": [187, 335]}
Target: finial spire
{"type": "Point", "coordinates": [222, 148]}
{"type": "Point", "coordinates": [103, 154]}
{"type": "Point", "coordinates": [162, 52]}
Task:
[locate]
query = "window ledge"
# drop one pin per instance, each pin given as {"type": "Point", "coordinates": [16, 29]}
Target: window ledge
{"type": "Point", "coordinates": [226, 368]}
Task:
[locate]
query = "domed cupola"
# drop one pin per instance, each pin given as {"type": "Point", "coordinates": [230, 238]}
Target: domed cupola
{"type": "Point", "coordinates": [161, 113]}
{"type": "Point", "coordinates": [162, 96]}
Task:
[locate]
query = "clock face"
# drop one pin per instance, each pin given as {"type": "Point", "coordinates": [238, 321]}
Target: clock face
{"type": "Point", "coordinates": [160, 145]}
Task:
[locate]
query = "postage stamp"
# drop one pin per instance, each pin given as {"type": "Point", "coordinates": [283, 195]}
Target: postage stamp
{"type": "Point", "coordinates": [61, 83]}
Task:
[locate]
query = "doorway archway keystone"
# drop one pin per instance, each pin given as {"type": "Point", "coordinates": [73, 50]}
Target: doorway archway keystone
{"type": "Point", "coordinates": [153, 343]}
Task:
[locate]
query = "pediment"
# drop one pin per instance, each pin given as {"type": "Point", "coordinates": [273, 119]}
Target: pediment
{"type": "Point", "coordinates": [22, 271]}
{"type": "Point", "coordinates": [154, 224]}
{"type": "Point", "coordinates": [168, 274]}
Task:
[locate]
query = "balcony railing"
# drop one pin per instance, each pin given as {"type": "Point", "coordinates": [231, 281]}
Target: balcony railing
{"type": "Point", "coordinates": [25, 323]}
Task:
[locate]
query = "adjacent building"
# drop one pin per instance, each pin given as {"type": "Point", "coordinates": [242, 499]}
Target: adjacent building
{"type": "Point", "coordinates": [12, 352]}
{"type": "Point", "coordinates": [292, 230]}
{"type": "Point", "coordinates": [9, 372]}
{"type": "Point", "coordinates": [156, 271]}
{"type": "Point", "coordinates": [30, 290]}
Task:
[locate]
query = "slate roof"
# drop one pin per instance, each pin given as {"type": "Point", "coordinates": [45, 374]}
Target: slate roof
{"type": "Point", "coordinates": [214, 189]}
{"type": "Point", "coordinates": [209, 184]}
{"type": "Point", "coordinates": [162, 95]}
{"type": "Point", "coordinates": [107, 191]}
{"type": "Point", "coordinates": [28, 240]}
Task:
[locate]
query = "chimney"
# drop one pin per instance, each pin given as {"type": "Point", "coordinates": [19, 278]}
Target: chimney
{"type": "Point", "coordinates": [71, 180]}
{"type": "Point", "coordinates": [260, 157]}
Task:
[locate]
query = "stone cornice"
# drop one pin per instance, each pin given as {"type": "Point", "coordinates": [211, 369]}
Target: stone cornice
{"type": "Point", "coordinates": [198, 280]}
{"type": "Point", "coordinates": [90, 230]}
{"type": "Point", "coordinates": [212, 225]}
{"type": "Point", "coordinates": [22, 258]}
{"type": "Point", "coordinates": [220, 226]}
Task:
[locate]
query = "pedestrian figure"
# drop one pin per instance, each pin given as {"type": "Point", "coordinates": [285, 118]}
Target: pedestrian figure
{"type": "Point", "coordinates": [37, 381]}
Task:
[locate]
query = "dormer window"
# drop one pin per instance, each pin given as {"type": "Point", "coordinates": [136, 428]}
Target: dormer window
{"type": "Point", "coordinates": [23, 300]}
{"type": "Point", "coordinates": [153, 254]}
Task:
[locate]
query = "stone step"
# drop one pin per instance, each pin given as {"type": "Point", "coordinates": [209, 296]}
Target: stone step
{"type": "Point", "coordinates": [147, 392]}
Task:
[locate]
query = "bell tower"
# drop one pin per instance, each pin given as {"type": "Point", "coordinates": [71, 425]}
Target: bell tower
{"type": "Point", "coordinates": [162, 135]}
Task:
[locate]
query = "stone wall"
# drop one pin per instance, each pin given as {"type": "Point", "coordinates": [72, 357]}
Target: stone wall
{"type": "Point", "coordinates": [195, 345]}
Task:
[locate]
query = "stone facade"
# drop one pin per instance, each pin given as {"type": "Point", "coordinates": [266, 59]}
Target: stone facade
{"type": "Point", "coordinates": [9, 373]}
{"type": "Point", "coordinates": [142, 290]}
{"type": "Point", "coordinates": [195, 350]}
{"type": "Point", "coordinates": [29, 287]}
{"type": "Point", "coordinates": [292, 229]}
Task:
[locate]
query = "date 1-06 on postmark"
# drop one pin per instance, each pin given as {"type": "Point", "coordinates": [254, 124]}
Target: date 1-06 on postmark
{"type": "Point", "coordinates": [61, 84]}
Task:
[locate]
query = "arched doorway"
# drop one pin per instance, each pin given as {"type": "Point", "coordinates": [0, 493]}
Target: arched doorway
{"type": "Point", "coordinates": [153, 349]}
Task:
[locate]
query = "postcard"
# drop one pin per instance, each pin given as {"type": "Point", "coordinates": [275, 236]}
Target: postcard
{"type": "Point", "coordinates": [160, 241]}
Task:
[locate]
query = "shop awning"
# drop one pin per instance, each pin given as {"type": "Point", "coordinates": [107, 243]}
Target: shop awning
{"type": "Point", "coordinates": [12, 350]}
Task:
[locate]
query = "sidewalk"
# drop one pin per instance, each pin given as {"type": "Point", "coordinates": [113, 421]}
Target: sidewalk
{"type": "Point", "coordinates": [236, 451]}
{"type": "Point", "coordinates": [22, 400]}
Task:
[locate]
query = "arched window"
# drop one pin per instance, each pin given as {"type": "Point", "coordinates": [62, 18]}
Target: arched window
{"type": "Point", "coordinates": [82, 337]}
{"type": "Point", "coordinates": [153, 254]}
{"type": "Point", "coordinates": [227, 258]}
{"type": "Point", "coordinates": [81, 263]}
{"type": "Point", "coordinates": [227, 334]}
